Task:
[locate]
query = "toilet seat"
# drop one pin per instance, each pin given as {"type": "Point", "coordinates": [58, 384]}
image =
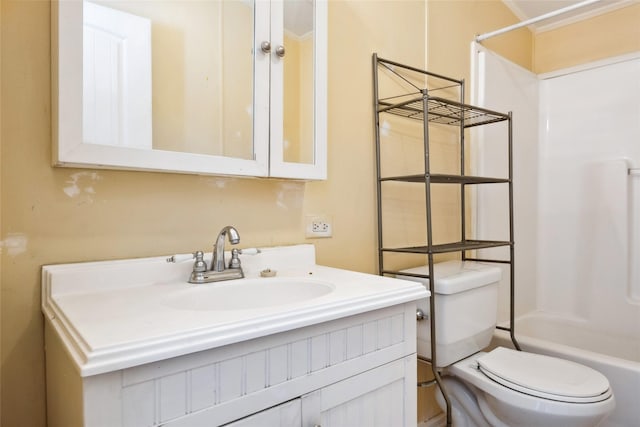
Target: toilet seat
{"type": "Point", "coordinates": [544, 376]}
{"type": "Point", "coordinates": [517, 405]}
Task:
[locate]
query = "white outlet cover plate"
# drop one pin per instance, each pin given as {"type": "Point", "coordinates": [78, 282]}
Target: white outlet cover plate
{"type": "Point", "coordinates": [318, 226]}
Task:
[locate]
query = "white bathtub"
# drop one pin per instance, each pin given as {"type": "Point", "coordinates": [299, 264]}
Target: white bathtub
{"type": "Point", "coordinates": [618, 358]}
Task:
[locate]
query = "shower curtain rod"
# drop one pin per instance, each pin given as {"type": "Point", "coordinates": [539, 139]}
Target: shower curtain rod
{"type": "Point", "coordinates": [485, 36]}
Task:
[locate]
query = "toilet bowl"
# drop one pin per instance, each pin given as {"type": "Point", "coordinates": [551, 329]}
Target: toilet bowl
{"type": "Point", "coordinates": [518, 389]}
{"type": "Point", "coordinates": [504, 387]}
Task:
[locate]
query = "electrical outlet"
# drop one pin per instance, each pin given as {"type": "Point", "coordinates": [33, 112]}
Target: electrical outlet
{"type": "Point", "coordinates": [318, 226]}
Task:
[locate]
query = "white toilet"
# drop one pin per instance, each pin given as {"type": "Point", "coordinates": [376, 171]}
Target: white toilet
{"type": "Point", "coordinates": [504, 387]}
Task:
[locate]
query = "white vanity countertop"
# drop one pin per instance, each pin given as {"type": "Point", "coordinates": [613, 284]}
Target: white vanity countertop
{"type": "Point", "coordinates": [114, 314]}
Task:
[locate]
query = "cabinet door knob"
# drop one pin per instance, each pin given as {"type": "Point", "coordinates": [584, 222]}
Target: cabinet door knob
{"type": "Point", "coordinates": [265, 46]}
{"type": "Point", "coordinates": [280, 51]}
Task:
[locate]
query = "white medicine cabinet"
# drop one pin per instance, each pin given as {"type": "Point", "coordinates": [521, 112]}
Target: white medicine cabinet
{"type": "Point", "coordinates": [217, 87]}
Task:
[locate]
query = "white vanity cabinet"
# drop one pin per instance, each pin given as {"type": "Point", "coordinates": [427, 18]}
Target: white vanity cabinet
{"type": "Point", "coordinates": [355, 371]}
{"type": "Point", "coordinates": [131, 343]}
{"type": "Point", "coordinates": [218, 87]}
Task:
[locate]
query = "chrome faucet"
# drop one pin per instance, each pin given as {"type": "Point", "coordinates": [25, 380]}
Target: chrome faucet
{"type": "Point", "coordinates": [217, 270]}
{"type": "Point", "coordinates": [217, 259]}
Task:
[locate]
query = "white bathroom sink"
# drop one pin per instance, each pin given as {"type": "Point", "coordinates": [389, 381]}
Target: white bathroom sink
{"type": "Point", "coordinates": [247, 294]}
{"type": "Point", "coordinates": [118, 314]}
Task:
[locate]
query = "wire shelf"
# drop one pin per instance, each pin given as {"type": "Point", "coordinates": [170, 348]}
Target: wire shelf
{"type": "Point", "coordinates": [443, 111]}
{"type": "Point", "coordinates": [446, 179]}
{"type": "Point", "coordinates": [464, 245]}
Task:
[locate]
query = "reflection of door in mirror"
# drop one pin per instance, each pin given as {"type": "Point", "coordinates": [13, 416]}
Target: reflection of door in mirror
{"type": "Point", "coordinates": [200, 103]}
{"type": "Point", "coordinates": [116, 78]}
{"type": "Point", "coordinates": [298, 82]}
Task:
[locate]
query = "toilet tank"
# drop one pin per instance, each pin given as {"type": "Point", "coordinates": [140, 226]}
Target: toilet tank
{"type": "Point", "coordinates": [466, 304]}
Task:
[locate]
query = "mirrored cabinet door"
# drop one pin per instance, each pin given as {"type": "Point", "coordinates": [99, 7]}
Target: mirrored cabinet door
{"type": "Point", "coordinates": [298, 89]}
{"type": "Point", "coordinates": [173, 86]}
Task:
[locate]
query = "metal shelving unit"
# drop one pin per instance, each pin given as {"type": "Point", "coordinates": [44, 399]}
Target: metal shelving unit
{"type": "Point", "coordinates": [415, 102]}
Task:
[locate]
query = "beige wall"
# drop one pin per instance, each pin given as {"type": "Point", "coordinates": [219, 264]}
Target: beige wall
{"type": "Point", "coordinates": [453, 25]}
{"type": "Point", "coordinates": [612, 34]}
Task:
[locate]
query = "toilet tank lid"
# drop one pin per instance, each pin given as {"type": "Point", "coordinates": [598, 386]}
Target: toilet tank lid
{"type": "Point", "coordinates": [456, 276]}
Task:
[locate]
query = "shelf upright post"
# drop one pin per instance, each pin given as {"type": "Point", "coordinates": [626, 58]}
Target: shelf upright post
{"type": "Point", "coordinates": [376, 116]}
{"type": "Point", "coordinates": [463, 186]}
{"type": "Point", "coordinates": [512, 303]}
{"type": "Point", "coordinates": [432, 286]}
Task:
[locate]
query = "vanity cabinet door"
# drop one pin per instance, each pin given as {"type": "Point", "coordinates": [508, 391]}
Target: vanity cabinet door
{"type": "Point", "coordinates": [286, 415]}
{"type": "Point", "coordinates": [385, 396]}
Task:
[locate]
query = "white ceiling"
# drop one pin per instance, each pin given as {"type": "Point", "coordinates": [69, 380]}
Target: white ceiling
{"type": "Point", "coordinates": [527, 9]}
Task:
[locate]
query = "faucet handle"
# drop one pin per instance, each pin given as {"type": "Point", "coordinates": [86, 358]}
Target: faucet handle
{"type": "Point", "coordinates": [177, 258]}
{"type": "Point", "coordinates": [235, 260]}
{"type": "Point", "coordinates": [199, 268]}
{"type": "Point", "coordinates": [200, 265]}
{"type": "Point", "coordinates": [250, 251]}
